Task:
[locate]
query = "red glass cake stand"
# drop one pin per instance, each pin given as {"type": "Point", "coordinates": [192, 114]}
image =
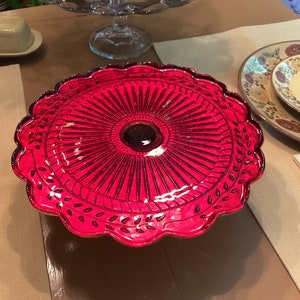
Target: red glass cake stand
{"type": "Point", "coordinates": [138, 152]}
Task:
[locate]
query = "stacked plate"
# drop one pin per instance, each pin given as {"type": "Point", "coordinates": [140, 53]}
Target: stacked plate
{"type": "Point", "coordinates": [268, 81]}
{"type": "Point", "coordinates": [286, 81]}
{"type": "Point", "coordinates": [3, 5]}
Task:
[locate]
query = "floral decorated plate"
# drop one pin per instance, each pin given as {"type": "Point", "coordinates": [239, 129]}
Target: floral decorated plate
{"type": "Point", "coordinates": [138, 151]}
{"type": "Point", "coordinates": [286, 81]}
{"type": "Point", "coordinates": [256, 87]}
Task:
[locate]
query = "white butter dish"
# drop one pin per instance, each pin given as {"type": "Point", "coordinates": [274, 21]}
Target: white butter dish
{"type": "Point", "coordinates": [16, 38]}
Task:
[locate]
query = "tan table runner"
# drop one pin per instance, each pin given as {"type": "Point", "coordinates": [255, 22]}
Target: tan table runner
{"type": "Point", "coordinates": [275, 199]}
{"type": "Point", "coordinates": [23, 273]}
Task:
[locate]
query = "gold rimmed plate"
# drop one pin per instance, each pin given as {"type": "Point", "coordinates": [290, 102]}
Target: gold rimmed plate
{"type": "Point", "coordinates": [255, 78]}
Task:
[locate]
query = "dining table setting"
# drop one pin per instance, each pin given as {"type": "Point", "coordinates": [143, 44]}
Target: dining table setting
{"type": "Point", "coordinates": [150, 150]}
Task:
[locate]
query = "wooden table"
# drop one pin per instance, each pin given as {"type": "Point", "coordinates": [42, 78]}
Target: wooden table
{"type": "Point", "coordinates": [233, 260]}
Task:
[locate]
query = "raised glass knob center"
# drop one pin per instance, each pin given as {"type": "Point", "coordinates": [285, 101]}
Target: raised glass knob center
{"type": "Point", "coordinates": [141, 137]}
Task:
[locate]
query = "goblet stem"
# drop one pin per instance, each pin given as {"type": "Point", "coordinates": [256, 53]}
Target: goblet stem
{"type": "Point", "coordinates": [120, 23]}
{"type": "Point", "coordinates": [119, 41]}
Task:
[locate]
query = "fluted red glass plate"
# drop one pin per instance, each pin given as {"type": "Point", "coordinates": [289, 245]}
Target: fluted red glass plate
{"type": "Point", "coordinates": [138, 151]}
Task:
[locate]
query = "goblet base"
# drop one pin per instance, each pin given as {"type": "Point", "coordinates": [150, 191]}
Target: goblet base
{"type": "Point", "coordinates": [127, 43]}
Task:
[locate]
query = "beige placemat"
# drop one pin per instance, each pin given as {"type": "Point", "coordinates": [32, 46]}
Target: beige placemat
{"type": "Point", "coordinates": [275, 199]}
{"type": "Point", "coordinates": [23, 273]}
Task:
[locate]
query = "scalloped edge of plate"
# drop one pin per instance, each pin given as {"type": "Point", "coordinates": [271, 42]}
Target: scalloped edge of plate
{"type": "Point", "coordinates": [37, 42]}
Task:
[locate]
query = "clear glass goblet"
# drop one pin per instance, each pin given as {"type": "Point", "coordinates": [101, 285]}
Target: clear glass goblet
{"type": "Point", "coordinates": [118, 41]}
